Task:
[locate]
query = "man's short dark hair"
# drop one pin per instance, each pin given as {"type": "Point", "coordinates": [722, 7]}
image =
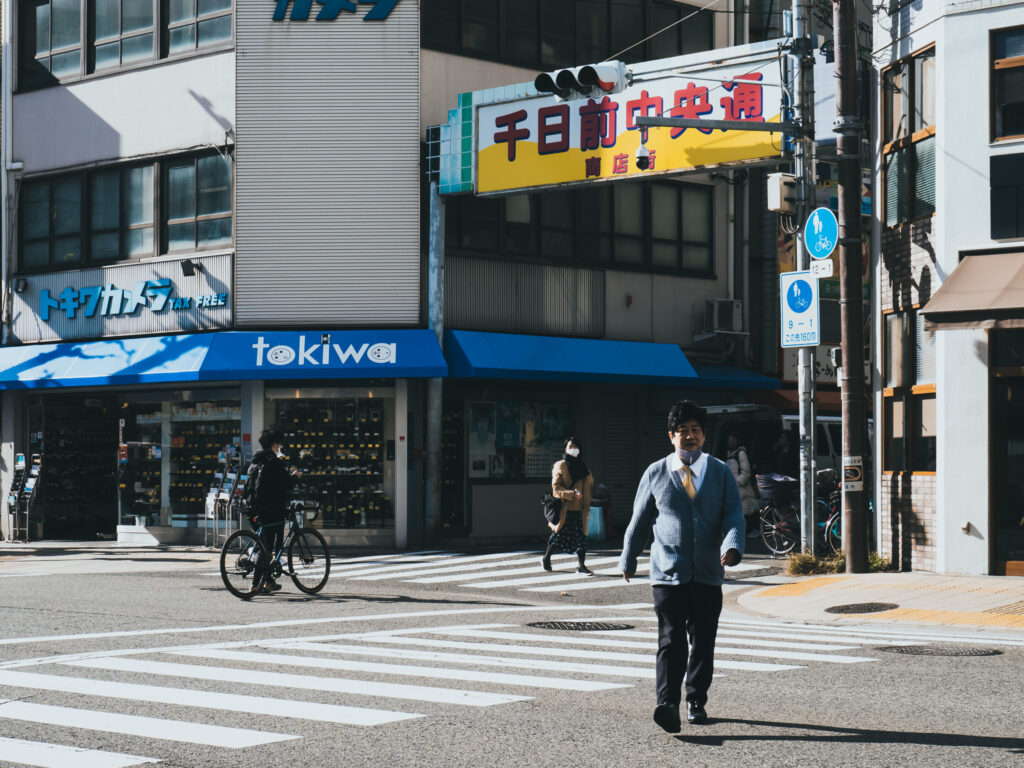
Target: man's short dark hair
{"type": "Point", "coordinates": [684, 411]}
{"type": "Point", "coordinates": [270, 437]}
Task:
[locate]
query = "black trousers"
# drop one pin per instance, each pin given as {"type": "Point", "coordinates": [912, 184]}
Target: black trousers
{"type": "Point", "coordinates": [687, 627]}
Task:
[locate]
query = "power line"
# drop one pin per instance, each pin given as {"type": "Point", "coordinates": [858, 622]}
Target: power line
{"type": "Point", "coordinates": [663, 29]}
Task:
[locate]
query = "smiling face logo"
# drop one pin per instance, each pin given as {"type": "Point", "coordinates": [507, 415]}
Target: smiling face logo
{"type": "Point", "coordinates": [281, 355]}
{"type": "Point", "coordinates": [381, 353]}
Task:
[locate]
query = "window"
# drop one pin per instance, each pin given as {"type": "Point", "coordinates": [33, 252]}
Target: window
{"type": "Point", "coordinates": [123, 32]}
{"type": "Point", "coordinates": [110, 214]}
{"type": "Point", "coordinates": [909, 412]}
{"type": "Point", "coordinates": [199, 203]}
{"type": "Point", "coordinates": [51, 223]}
{"type": "Point", "coordinates": [600, 223]}
{"type": "Point", "coordinates": [550, 34]}
{"type": "Point", "coordinates": [1006, 176]}
{"type": "Point", "coordinates": [908, 127]}
{"type": "Point", "coordinates": [1008, 84]}
{"type": "Point", "coordinates": [116, 33]}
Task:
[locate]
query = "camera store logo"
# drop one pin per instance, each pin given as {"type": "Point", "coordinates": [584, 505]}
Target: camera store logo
{"type": "Point", "coordinates": [331, 9]}
{"type": "Point", "coordinates": [321, 354]}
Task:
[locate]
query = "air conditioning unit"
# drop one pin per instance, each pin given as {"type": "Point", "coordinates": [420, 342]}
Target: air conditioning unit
{"type": "Point", "coordinates": [723, 316]}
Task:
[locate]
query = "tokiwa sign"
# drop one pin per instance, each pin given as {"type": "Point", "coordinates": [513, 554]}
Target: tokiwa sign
{"type": "Point", "coordinates": [540, 142]}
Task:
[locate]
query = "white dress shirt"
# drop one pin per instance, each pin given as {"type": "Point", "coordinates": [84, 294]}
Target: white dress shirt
{"type": "Point", "coordinates": [697, 468]}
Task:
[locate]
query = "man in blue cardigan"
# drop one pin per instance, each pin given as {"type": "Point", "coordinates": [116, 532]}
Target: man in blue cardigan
{"type": "Point", "coordinates": [693, 504]}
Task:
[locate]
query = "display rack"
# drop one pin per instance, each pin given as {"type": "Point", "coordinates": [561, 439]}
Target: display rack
{"type": "Point", "coordinates": [200, 433]}
{"type": "Point", "coordinates": [18, 516]}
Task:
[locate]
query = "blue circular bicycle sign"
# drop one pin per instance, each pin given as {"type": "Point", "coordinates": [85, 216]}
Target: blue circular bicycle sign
{"type": "Point", "coordinates": [799, 296]}
{"type": "Point", "coordinates": [821, 233]}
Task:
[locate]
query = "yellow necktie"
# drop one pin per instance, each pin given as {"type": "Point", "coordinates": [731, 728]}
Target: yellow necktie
{"type": "Point", "coordinates": [688, 482]}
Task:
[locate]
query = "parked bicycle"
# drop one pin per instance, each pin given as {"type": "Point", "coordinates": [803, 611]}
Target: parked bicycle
{"type": "Point", "coordinates": [245, 563]}
{"type": "Point", "coordinates": [779, 516]}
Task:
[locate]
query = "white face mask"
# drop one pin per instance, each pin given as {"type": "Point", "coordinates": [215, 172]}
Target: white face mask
{"type": "Point", "coordinates": [574, 452]}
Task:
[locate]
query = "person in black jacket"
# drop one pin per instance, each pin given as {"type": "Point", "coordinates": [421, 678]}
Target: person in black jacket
{"type": "Point", "coordinates": [272, 489]}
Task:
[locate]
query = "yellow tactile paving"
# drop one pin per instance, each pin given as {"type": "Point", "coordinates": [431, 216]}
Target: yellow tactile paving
{"type": "Point", "coordinates": [797, 588]}
{"type": "Point", "coordinates": [946, 617]}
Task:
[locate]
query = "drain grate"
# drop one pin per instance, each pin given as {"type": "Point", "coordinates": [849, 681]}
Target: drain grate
{"type": "Point", "coordinates": [936, 650]}
{"type": "Point", "coordinates": [861, 608]}
{"type": "Point", "coordinates": [579, 626]}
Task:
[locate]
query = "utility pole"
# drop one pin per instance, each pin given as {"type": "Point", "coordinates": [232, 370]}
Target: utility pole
{"type": "Point", "coordinates": [851, 302]}
{"type": "Point", "coordinates": [802, 64]}
{"type": "Point", "coordinates": [435, 318]}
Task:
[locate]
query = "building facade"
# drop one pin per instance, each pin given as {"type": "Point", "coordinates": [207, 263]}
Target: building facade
{"type": "Point", "coordinates": [949, 233]}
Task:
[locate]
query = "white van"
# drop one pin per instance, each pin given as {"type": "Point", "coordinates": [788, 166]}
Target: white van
{"type": "Point", "coordinates": [828, 439]}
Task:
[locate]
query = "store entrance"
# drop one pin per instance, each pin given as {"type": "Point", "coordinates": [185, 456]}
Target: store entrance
{"type": "Point", "coordinates": [1008, 476]}
{"type": "Point", "coordinates": [76, 439]}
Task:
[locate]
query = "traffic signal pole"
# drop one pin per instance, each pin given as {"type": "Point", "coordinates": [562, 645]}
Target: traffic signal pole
{"type": "Point", "coordinates": [851, 302]}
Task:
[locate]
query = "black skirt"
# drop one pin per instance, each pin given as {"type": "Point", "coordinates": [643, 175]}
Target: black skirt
{"type": "Point", "coordinates": [570, 539]}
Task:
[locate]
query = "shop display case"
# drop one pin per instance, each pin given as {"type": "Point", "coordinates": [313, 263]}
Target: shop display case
{"type": "Point", "coordinates": [338, 444]}
{"type": "Point", "coordinates": [201, 433]}
{"type": "Point", "coordinates": [140, 463]}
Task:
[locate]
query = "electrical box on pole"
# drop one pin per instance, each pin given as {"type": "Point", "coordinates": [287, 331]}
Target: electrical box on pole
{"type": "Point", "coordinates": [782, 193]}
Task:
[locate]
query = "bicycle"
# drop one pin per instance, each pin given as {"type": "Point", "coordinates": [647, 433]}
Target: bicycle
{"type": "Point", "coordinates": [779, 517]}
{"type": "Point", "coordinates": [309, 562]}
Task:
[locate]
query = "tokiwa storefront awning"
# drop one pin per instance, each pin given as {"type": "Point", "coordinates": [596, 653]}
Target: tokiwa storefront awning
{"type": "Point", "coordinates": [224, 356]}
{"type": "Point", "coordinates": [984, 291]}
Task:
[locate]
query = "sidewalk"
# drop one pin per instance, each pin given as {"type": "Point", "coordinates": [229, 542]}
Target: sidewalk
{"type": "Point", "coordinates": [925, 599]}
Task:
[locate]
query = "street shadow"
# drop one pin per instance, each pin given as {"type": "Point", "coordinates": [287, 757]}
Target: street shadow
{"type": "Point", "coordinates": [292, 597]}
{"type": "Point", "coordinates": [838, 734]}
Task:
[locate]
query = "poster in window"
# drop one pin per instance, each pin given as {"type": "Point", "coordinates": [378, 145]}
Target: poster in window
{"type": "Point", "coordinates": [481, 438]}
{"type": "Point", "coordinates": [535, 463]}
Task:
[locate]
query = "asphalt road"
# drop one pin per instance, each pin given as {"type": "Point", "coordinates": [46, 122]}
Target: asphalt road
{"type": "Point", "coordinates": [158, 661]}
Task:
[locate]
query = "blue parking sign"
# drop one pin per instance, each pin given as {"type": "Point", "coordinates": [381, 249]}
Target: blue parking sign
{"type": "Point", "coordinates": [798, 294]}
{"type": "Point", "coordinates": [821, 233]}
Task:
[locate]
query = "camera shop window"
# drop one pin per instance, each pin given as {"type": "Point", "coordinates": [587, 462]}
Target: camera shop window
{"type": "Point", "coordinates": [199, 203]}
{"type": "Point", "coordinates": [51, 222]}
{"type": "Point", "coordinates": [121, 214]}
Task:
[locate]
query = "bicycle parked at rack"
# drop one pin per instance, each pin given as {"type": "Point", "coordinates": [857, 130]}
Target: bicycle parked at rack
{"type": "Point", "coordinates": [779, 516]}
{"type": "Point", "coordinates": [245, 563]}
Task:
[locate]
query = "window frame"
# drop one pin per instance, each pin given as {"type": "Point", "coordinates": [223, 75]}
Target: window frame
{"type": "Point", "coordinates": [93, 40]}
{"type": "Point", "coordinates": [908, 394]}
{"type": "Point", "coordinates": [1016, 62]}
{"type": "Point", "coordinates": [583, 233]}
{"type": "Point", "coordinates": [159, 217]}
{"type": "Point", "coordinates": [197, 218]}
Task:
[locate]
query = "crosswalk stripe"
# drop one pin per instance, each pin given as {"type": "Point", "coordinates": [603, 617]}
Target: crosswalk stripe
{"type": "Point", "coordinates": [601, 642]}
{"type": "Point", "coordinates": [465, 564]}
{"type": "Point", "coordinates": [257, 705]}
{"type": "Point", "coordinates": [547, 577]}
{"type": "Point", "coordinates": [60, 756]}
{"type": "Point", "coordinates": [495, 678]}
{"type": "Point", "coordinates": [471, 658]}
{"type": "Point", "coordinates": [135, 725]}
{"type": "Point", "coordinates": [302, 682]}
{"type": "Point", "coordinates": [881, 635]}
{"type": "Point", "coordinates": [400, 566]}
{"type": "Point", "coordinates": [594, 584]}
{"type": "Point", "coordinates": [653, 636]}
{"type": "Point", "coordinates": [528, 566]}
{"type": "Point", "coordinates": [572, 653]}
{"type": "Point", "coordinates": [811, 636]}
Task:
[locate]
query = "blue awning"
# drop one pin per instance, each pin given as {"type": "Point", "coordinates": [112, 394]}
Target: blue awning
{"type": "Point", "coordinates": [730, 377]}
{"type": "Point", "coordinates": [224, 356]}
{"type": "Point", "coordinates": [473, 354]}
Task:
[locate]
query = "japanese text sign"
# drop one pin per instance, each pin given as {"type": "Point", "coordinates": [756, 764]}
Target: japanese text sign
{"type": "Point", "coordinates": [540, 142]}
{"type": "Point", "coordinates": [110, 301]}
{"type": "Point", "coordinates": [801, 317]}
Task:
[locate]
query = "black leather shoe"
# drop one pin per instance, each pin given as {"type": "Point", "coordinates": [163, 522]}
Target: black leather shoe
{"type": "Point", "coordinates": [584, 569]}
{"type": "Point", "coordinates": [695, 713]}
{"type": "Point", "coordinates": [545, 563]}
{"type": "Point", "coordinates": [667, 716]}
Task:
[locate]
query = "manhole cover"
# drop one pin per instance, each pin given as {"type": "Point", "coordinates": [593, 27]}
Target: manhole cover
{"type": "Point", "coordinates": [861, 608]}
{"type": "Point", "coordinates": [935, 650]}
{"type": "Point", "coordinates": [579, 626]}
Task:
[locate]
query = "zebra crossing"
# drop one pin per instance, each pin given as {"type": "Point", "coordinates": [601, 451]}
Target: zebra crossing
{"type": "Point", "coordinates": [414, 671]}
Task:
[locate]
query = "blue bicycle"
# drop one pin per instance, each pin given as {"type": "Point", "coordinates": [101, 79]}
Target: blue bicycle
{"type": "Point", "coordinates": [245, 563]}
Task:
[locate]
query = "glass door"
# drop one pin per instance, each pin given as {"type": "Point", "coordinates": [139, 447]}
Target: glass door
{"type": "Point", "coordinates": [1008, 476]}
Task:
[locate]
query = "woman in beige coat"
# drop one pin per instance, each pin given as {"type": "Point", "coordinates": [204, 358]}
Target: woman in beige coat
{"type": "Point", "coordinates": [571, 482]}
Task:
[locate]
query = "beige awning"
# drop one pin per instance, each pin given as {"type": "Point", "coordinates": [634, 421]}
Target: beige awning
{"type": "Point", "coordinates": [984, 291]}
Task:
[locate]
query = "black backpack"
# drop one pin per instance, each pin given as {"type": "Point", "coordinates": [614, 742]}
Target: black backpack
{"type": "Point", "coordinates": [251, 494]}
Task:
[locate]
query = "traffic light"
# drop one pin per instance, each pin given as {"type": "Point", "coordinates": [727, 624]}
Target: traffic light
{"type": "Point", "coordinates": [577, 82]}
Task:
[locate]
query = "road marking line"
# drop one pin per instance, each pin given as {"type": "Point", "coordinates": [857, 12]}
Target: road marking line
{"type": "Point", "coordinates": [59, 756]}
{"type": "Point", "coordinates": [135, 725]}
{"type": "Point", "coordinates": [234, 702]}
{"type": "Point", "coordinates": [881, 635]}
{"type": "Point", "coordinates": [767, 643]}
{"type": "Point", "coordinates": [254, 678]}
{"type": "Point", "coordinates": [403, 566]}
{"type": "Point", "coordinates": [528, 566]}
{"type": "Point", "coordinates": [470, 658]}
{"type": "Point", "coordinates": [572, 653]}
{"type": "Point", "coordinates": [465, 564]}
{"type": "Point", "coordinates": [610, 583]}
{"type": "Point", "coordinates": [538, 579]}
{"type": "Point", "coordinates": [495, 678]}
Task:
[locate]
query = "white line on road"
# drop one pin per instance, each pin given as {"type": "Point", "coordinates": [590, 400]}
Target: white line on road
{"type": "Point", "coordinates": [59, 756]}
{"type": "Point", "coordinates": [135, 725]}
{"type": "Point", "coordinates": [404, 566]}
{"type": "Point", "coordinates": [470, 658]}
{"type": "Point", "coordinates": [539, 579]}
{"type": "Point", "coordinates": [248, 677]}
{"type": "Point", "coordinates": [464, 564]}
{"type": "Point", "coordinates": [464, 675]}
{"type": "Point", "coordinates": [593, 584]}
{"type": "Point", "coordinates": [742, 640]}
{"type": "Point", "coordinates": [233, 702]}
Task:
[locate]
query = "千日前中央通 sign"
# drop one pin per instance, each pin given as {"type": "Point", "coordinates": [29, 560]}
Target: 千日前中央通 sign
{"type": "Point", "coordinates": [541, 141]}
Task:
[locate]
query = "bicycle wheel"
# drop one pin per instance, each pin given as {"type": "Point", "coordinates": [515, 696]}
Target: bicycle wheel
{"type": "Point", "coordinates": [238, 559]}
{"type": "Point", "coordinates": [834, 533]}
{"type": "Point", "coordinates": [309, 561]}
{"type": "Point", "coordinates": [780, 531]}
